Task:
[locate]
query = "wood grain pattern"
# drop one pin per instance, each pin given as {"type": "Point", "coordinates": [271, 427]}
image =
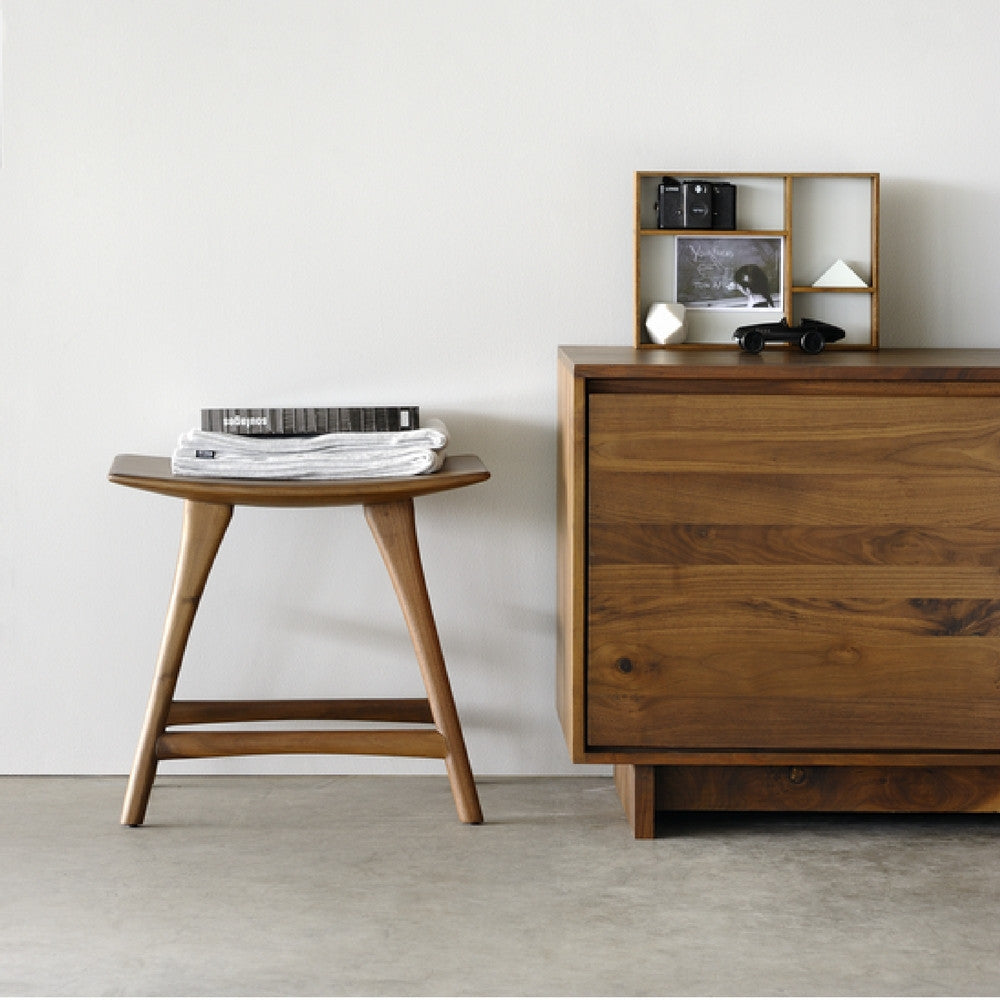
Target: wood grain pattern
{"type": "Point", "coordinates": [729, 433]}
{"type": "Point", "coordinates": [236, 743]}
{"type": "Point", "coordinates": [152, 473]}
{"type": "Point", "coordinates": [627, 543]}
{"type": "Point", "coordinates": [927, 371]}
{"type": "Point", "coordinates": [777, 497]}
{"type": "Point", "coordinates": [393, 527]}
{"type": "Point", "coordinates": [571, 492]}
{"type": "Point", "coordinates": [829, 789]}
{"type": "Point", "coordinates": [767, 572]}
{"type": "Point", "coordinates": [202, 529]}
{"type": "Point", "coordinates": [636, 787]}
{"type": "Point", "coordinates": [186, 713]}
{"type": "Point", "coordinates": [875, 620]}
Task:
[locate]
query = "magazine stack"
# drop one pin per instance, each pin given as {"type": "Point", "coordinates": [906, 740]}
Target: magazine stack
{"type": "Point", "coordinates": [359, 442]}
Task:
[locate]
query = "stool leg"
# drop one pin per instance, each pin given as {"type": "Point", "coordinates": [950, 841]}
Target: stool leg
{"type": "Point", "coordinates": [202, 531]}
{"type": "Point", "coordinates": [394, 529]}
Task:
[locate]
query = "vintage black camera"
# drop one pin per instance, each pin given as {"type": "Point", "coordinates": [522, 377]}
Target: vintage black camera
{"type": "Point", "coordinates": [695, 204]}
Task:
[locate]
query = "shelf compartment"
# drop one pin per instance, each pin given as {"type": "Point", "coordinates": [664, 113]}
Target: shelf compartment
{"type": "Point", "coordinates": [853, 313]}
{"type": "Point", "coordinates": [832, 219]}
{"type": "Point", "coordinates": [760, 200]}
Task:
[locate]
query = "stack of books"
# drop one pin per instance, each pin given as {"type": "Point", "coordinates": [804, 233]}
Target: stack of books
{"type": "Point", "coordinates": [328, 442]}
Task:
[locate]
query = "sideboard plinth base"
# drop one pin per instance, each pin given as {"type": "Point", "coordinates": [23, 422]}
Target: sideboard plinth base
{"type": "Point", "coordinates": [646, 789]}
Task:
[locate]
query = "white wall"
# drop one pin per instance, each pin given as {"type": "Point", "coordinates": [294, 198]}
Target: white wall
{"type": "Point", "coordinates": [222, 202]}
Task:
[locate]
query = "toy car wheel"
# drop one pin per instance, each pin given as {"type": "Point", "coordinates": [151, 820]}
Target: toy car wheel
{"type": "Point", "coordinates": [752, 342]}
{"type": "Point", "coordinates": [812, 342]}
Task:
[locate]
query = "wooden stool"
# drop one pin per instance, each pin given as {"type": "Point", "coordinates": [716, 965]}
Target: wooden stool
{"type": "Point", "coordinates": [388, 507]}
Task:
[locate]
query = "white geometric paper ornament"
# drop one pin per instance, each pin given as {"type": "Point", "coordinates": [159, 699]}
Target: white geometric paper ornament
{"type": "Point", "coordinates": [665, 323]}
{"type": "Point", "coordinates": [839, 275]}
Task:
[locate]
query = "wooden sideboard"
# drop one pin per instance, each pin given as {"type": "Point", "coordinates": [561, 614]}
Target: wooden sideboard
{"type": "Point", "coordinates": [779, 578]}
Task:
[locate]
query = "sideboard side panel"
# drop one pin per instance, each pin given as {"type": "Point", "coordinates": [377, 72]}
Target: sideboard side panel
{"type": "Point", "coordinates": [571, 518]}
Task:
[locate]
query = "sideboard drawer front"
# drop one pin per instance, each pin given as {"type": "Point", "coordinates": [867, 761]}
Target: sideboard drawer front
{"type": "Point", "coordinates": [794, 460]}
{"type": "Point", "coordinates": [736, 688]}
{"type": "Point", "coordinates": [812, 571]}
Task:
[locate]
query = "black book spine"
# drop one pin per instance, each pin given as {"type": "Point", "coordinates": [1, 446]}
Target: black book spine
{"type": "Point", "coordinates": [308, 420]}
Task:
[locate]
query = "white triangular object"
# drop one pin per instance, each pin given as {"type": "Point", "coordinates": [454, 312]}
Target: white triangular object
{"type": "Point", "coordinates": [839, 275]}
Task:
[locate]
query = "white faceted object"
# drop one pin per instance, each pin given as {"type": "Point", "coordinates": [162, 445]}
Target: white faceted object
{"type": "Point", "coordinates": [665, 323]}
{"type": "Point", "coordinates": [839, 275]}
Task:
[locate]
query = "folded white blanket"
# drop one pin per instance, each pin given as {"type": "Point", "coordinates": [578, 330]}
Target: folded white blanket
{"type": "Point", "coordinates": [344, 455]}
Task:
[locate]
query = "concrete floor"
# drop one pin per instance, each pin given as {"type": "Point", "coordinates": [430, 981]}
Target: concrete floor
{"type": "Point", "coordinates": [296, 886]}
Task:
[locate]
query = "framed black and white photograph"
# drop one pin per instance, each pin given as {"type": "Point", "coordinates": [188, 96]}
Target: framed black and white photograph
{"type": "Point", "coordinates": [729, 272]}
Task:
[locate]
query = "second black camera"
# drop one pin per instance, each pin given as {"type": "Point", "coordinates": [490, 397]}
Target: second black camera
{"type": "Point", "coordinates": [695, 204]}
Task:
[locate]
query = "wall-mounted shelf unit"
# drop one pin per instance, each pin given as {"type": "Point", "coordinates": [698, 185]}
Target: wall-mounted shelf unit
{"type": "Point", "coordinates": [796, 225]}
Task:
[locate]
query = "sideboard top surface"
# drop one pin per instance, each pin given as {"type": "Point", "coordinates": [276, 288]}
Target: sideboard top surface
{"type": "Point", "coordinates": [923, 364]}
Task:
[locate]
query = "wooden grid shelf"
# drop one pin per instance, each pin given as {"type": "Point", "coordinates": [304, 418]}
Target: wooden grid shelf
{"type": "Point", "coordinates": [820, 218]}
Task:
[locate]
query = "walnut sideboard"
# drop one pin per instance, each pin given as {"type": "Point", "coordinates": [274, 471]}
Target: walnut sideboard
{"type": "Point", "coordinates": [779, 578]}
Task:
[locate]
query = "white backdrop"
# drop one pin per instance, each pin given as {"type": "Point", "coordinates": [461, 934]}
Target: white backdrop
{"type": "Point", "coordinates": [246, 202]}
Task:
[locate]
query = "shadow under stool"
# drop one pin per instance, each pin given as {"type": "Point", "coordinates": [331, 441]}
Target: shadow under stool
{"type": "Point", "coordinates": [388, 509]}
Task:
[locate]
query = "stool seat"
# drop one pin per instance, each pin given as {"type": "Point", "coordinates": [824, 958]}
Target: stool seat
{"type": "Point", "coordinates": [208, 509]}
{"type": "Point", "coordinates": [152, 473]}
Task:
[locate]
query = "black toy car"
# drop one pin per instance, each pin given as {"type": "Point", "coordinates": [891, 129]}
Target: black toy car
{"type": "Point", "coordinates": [812, 335]}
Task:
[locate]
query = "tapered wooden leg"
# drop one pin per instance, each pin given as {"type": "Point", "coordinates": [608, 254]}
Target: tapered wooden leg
{"type": "Point", "coordinates": [394, 529]}
{"type": "Point", "coordinates": [202, 531]}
